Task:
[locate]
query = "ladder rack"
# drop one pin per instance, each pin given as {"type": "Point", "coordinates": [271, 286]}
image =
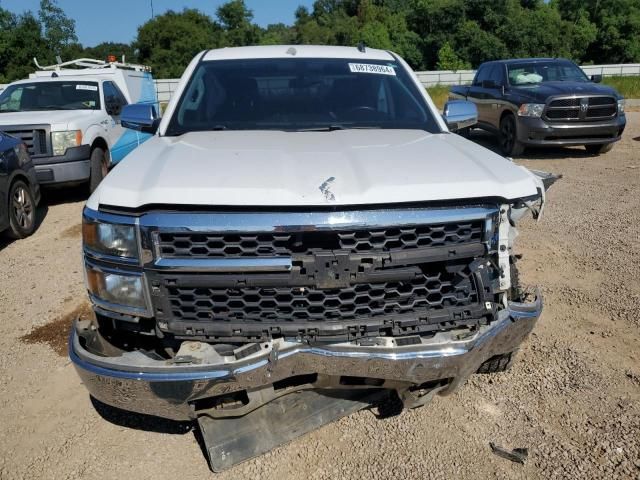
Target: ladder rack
{"type": "Point", "coordinates": [91, 63]}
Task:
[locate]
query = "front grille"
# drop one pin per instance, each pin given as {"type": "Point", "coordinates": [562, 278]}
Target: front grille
{"type": "Point", "coordinates": [188, 245]}
{"type": "Point", "coordinates": [581, 108]}
{"type": "Point", "coordinates": [431, 271]}
{"type": "Point", "coordinates": [437, 289]}
{"type": "Point", "coordinates": [35, 140]}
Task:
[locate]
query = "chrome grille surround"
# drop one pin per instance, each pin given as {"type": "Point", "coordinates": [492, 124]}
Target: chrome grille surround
{"type": "Point", "coordinates": [581, 108]}
{"type": "Point", "coordinates": [37, 138]}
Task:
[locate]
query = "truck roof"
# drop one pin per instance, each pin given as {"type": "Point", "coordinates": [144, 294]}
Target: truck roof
{"type": "Point", "coordinates": [297, 51]}
{"type": "Point", "coordinates": [528, 60]}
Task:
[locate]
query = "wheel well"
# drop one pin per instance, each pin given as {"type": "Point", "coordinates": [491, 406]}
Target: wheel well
{"type": "Point", "coordinates": [16, 177]}
{"type": "Point", "coordinates": [100, 142]}
{"type": "Point", "coordinates": [505, 113]}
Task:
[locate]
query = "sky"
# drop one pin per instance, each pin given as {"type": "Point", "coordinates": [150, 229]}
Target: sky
{"type": "Point", "coordinates": [118, 20]}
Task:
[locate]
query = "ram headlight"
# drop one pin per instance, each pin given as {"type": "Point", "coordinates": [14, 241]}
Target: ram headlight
{"type": "Point", "coordinates": [621, 106]}
{"type": "Point", "coordinates": [110, 239]}
{"type": "Point", "coordinates": [531, 110]}
{"type": "Point", "coordinates": [65, 139]}
{"type": "Point", "coordinates": [113, 289]}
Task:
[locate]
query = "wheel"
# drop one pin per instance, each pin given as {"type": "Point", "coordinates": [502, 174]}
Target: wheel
{"type": "Point", "coordinates": [99, 168]}
{"type": "Point", "coordinates": [597, 149]}
{"type": "Point", "coordinates": [509, 143]}
{"type": "Point", "coordinates": [499, 363]}
{"type": "Point", "coordinates": [22, 211]}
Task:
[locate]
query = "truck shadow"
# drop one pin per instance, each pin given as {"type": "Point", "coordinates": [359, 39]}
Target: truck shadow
{"type": "Point", "coordinates": [41, 213]}
{"type": "Point", "coordinates": [59, 196]}
{"type": "Point", "coordinates": [490, 141]}
{"type": "Point", "coordinates": [139, 421]}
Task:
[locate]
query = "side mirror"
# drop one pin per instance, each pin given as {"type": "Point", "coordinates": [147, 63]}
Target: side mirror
{"type": "Point", "coordinates": [141, 117]}
{"type": "Point", "coordinates": [596, 78]}
{"type": "Point", "coordinates": [459, 114]}
{"type": "Point", "coordinates": [114, 108]}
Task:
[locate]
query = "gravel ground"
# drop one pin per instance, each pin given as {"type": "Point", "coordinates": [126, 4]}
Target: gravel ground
{"type": "Point", "coordinates": [572, 397]}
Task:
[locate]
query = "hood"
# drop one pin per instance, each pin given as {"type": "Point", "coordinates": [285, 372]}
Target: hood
{"type": "Point", "coordinates": [59, 118]}
{"type": "Point", "coordinates": [344, 167]}
{"type": "Point", "coordinates": [542, 91]}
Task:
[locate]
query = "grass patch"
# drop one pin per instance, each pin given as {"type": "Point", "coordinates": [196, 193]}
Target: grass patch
{"type": "Point", "coordinates": [439, 94]}
{"type": "Point", "coordinates": [628, 87]}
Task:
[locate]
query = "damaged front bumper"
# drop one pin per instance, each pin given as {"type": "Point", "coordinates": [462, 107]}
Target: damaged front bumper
{"type": "Point", "coordinates": [176, 390]}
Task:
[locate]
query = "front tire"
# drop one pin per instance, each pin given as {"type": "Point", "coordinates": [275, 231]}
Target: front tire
{"type": "Point", "coordinates": [99, 168]}
{"type": "Point", "coordinates": [597, 149]}
{"type": "Point", "coordinates": [22, 211]}
{"type": "Point", "coordinates": [509, 143]}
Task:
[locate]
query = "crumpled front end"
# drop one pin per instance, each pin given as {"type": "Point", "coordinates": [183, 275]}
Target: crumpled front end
{"type": "Point", "coordinates": [226, 386]}
{"type": "Point", "coordinates": [219, 313]}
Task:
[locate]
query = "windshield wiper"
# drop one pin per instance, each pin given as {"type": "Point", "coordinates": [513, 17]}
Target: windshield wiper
{"type": "Point", "coordinates": [333, 128]}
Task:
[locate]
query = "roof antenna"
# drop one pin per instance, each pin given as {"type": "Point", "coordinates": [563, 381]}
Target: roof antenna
{"type": "Point", "coordinates": [362, 48]}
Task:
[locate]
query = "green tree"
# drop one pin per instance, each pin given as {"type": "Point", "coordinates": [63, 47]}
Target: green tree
{"type": "Point", "coordinates": [20, 40]}
{"type": "Point", "coordinates": [103, 50]}
{"type": "Point", "coordinates": [236, 20]}
{"type": "Point", "coordinates": [59, 30]}
{"type": "Point", "coordinates": [168, 42]}
{"type": "Point", "coordinates": [448, 60]}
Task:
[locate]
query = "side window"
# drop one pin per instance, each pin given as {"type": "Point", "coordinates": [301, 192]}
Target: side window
{"type": "Point", "coordinates": [12, 102]}
{"type": "Point", "coordinates": [497, 75]}
{"type": "Point", "coordinates": [483, 74]}
{"type": "Point", "coordinates": [113, 95]}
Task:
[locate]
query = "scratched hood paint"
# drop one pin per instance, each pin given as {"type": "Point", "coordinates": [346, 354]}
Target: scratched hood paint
{"type": "Point", "coordinates": [345, 167]}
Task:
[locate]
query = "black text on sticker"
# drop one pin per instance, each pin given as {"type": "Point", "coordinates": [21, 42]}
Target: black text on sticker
{"type": "Point", "coordinates": [371, 68]}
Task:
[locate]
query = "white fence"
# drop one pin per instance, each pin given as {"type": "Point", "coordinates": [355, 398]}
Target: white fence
{"type": "Point", "coordinates": [166, 87]}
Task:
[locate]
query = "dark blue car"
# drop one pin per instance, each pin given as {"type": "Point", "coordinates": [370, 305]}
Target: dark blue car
{"type": "Point", "coordinates": [19, 189]}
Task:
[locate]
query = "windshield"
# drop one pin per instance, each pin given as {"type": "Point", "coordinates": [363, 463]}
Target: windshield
{"type": "Point", "coordinates": [540, 72]}
{"type": "Point", "coordinates": [30, 97]}
{"type": "Point", "coordinates": [300, 94]}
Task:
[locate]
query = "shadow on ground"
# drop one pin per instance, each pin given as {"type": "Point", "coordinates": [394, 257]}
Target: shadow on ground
{"type": "Point", "coordinates": [491, 142]}
{"type": "Point", "coordinates": [51, 197]}
{"type": "Point", "coordinates": [139, 421]}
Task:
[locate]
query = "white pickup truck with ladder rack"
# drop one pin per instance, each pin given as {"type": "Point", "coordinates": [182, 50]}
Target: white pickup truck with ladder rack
{"type": "Point", "coordinates": [68, 115]}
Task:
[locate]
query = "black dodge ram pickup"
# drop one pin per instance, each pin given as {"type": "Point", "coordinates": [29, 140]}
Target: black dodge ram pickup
{"type": "Point", "coordinates": [544, 102]}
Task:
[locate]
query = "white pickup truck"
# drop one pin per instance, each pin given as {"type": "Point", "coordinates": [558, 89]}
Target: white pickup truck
{"type": "Point", "coordinates": [302, 228]}
{"type": "Point", "coordinates": [69, 117]}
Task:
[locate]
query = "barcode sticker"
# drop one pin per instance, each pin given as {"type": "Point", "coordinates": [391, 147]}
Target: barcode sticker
{"type": "Point", "coordinates": [92, 88]}
{"type": "Point", "coordinates": [371, 68]}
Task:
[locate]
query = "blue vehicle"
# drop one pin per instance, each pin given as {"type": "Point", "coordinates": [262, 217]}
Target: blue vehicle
{"type": "Point", "coordinates": [19, 189]}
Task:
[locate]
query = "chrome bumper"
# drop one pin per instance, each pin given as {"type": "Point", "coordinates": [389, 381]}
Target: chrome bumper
{"type": "Point", "coordinates": [136, 383]}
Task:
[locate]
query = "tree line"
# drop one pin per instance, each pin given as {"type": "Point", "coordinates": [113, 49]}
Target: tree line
{"type": "Point", "coordinates": [429, 34]}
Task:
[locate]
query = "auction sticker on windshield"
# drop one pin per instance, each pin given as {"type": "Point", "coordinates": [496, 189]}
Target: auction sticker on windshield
{"type": "Point", "coordinates": [371, 68]}
{"type": "Point", "coordinates": [92, 88]}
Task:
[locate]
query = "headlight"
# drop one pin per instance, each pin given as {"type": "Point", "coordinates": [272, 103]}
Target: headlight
{"type": "Point", "coordinates": [63, 140]}
{"type": "Point", "coordinates": [110, 239]}
{"type": "Point", "coordinates": [116, 288]}
{"type": "Point", "coordinates": [621, 106]}
{"type": "Point", "coordinates": [531, 110]}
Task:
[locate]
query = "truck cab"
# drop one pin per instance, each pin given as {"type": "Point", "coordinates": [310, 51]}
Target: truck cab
{"type": "Point", "coordinates": [541, 102]}
{"type": "Point", "coordinates": [68, 116]}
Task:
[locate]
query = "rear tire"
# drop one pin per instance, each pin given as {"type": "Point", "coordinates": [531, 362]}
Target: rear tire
{"type": "Point", "coordinates": [99, 168]}
{"type": "Point", "coordinates": [598, 148]}
{"type": "Point", "coordinates": [499, 363]}
{"type": "Point", "coordinates": [22, 211]}
{"type": "Point", "coordinates": [509, 143]}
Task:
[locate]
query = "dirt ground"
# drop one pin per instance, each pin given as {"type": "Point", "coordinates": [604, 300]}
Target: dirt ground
{"type": "Point", "coordinates": [572, 398]}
